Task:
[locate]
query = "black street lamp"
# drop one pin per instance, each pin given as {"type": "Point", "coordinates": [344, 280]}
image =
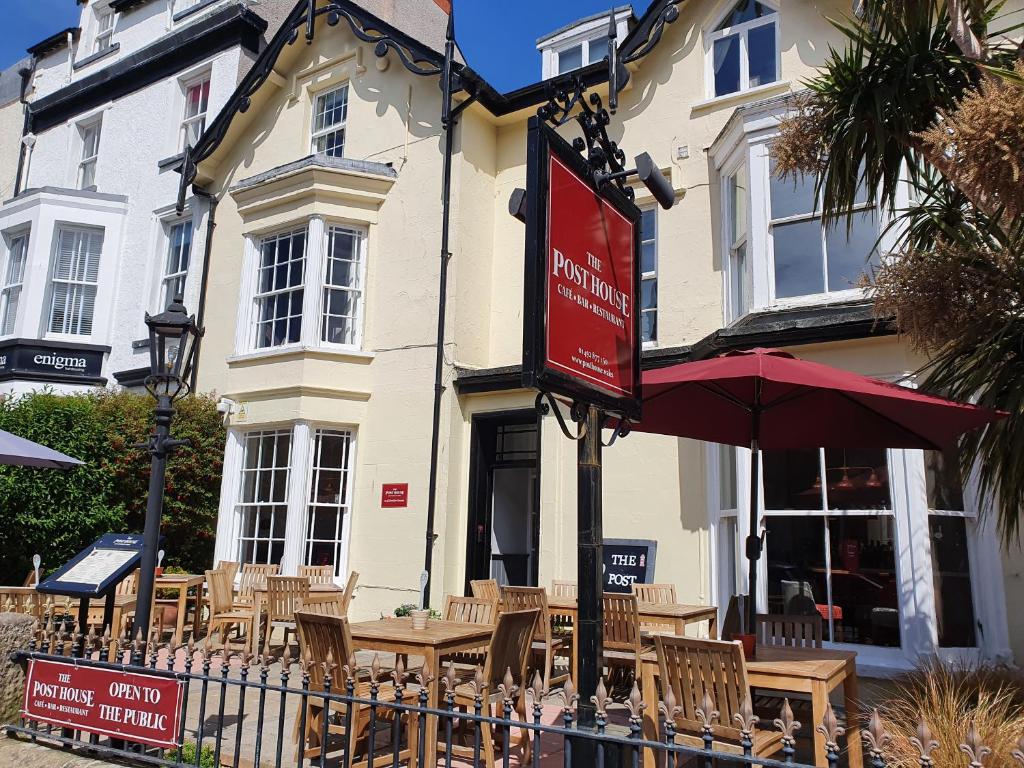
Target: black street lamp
{"type": "Point", "coordinates": [173, 341]}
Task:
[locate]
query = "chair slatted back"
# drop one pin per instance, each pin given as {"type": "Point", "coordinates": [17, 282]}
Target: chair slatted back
{"type": "Point", "coordinates": [564, 588]}
{"type": "Point", "coordinates": [30, 580]}
{"type": "Point", "coordinates": [659, 594]}
{"type": "Point", "coordinates": [254, 574]}
{"type": "Point", "coordinates": [655, 593]}
{"type": "Point", "coordinates": [221, 597]}
{"type": "Point", "coordinates": [320, 635]}
{"type": "Point", "coordinates": [509, 648]}
{"type": "Point", "coordinates": [470, 610]}
{"type": "Point", "coordinates": [621, 622]}
{"type": "Point", "coordinates": [790, 631]}
{"type": "Point", "coordinates": [691, 668]}
{"type": "Point", "coordinates": [485, 589]}
{"type": "Point", "coordinates": [129, 585]}
{"type": "Point", "coordinates": [350, 592]}
{"type": "Point", "coordinates": [327, 605]}
{"type": "Point", "coordinates": [526, 599]}
{"type": "Point", "coordinates": [285, 595]}
{"type": "Point", "coordinates": [317, 574]}
{"type": "Point", "coordinates": [231, 566]}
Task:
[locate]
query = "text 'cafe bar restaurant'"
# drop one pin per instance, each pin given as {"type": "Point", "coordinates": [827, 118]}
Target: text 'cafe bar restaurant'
{"type": "Point", "coordinates": [324, 262]}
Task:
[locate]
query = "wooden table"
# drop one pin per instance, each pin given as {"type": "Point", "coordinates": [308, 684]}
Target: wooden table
{"type": "Point", "coordinates": [259, 595]}
{"type": "Point", "coordinates": [123, 604]}
{"type": "Point", "coordinates": [181, 583]}
{"type": "Point", "coordinates": [440, 638]}
{"type": "Point", "coordinates": [679, 614]}
{"type": "Point", "coordinates": [815, 671]}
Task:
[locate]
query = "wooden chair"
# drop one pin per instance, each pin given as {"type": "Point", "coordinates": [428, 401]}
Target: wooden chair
{"type": "Point", "coordinates": [694, 669]}
{"type": "Point", "coordinates": [509, 650]}
{"type": "Point", "coordinates": [545, 645]}
{"type": "Point", "coordinates": [285, 595]}
{"type": "Point", "coordinates": [349, 593]}
{"type": "Point", "coordinates": [659, 594]}
{"type": "Point", "coordinates": [324, 604]}
{"type": "Point", "coordinates": [253, 575]}
{"type": "Point", "coordinates": [30, 579]}
{"type": "Point", "coordinates": [224, 614]}
{"type": "Point", "coordinates": [623, 643]}
{"type": "Point", "coordinates": [485, 589]}
{"type": "Point", "coordinates": [231, 566]}
{"type": "Point", "coordinates": [317, 574]}
{"type": "Point", "coordinates": [320, 636]}
{"type": "Point", "coordinates": [564, 588]}
{"type": "Point", "coordinates": [470, 610]}
{"type": "Point", "coordinates": [789, 631]}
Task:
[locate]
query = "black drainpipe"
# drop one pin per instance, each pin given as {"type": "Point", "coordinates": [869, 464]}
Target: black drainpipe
{"type": "Point", "coordinates": [201, 312]}
{"type": "Point", "coordinates": [26, 78]}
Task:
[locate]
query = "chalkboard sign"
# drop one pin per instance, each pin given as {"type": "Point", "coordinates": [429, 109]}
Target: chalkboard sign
{"type": "Point", "coordinates": [627, 561]}
{"type": "Point", "coordinates": [97, 569]}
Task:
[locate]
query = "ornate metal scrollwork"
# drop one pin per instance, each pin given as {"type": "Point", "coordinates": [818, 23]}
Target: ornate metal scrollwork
{"type": "Point", "coordinates": [668, 15]}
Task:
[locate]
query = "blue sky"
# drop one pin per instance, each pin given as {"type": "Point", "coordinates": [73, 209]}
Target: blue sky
{"type": "Point", "coordinates": [497, 36]}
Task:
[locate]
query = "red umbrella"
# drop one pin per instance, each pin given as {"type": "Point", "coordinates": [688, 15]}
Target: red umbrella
{"type": "Point", "coordinates": [767, 399]}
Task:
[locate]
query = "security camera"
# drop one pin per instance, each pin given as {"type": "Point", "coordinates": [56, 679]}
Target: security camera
{"type": "Point", "coordinates": [226, 406]}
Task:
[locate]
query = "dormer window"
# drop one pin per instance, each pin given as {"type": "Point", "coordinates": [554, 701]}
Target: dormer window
{"type": "Point", "coordinates": [582, 53]}
{"type": "Point", "coordinates": [582, 43]}
{"type": "Point", "coordinates": [742, 50]}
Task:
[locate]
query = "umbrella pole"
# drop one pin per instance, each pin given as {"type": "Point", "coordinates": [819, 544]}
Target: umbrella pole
{"type": "Point", "coordinates": [753, 540]}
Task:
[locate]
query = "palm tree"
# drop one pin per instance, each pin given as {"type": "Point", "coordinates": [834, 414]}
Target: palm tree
{"type": "Point", "coordinates": [933, 91]}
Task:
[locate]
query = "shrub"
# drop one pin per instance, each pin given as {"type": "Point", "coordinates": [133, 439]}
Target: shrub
{"type": "Point", "coordinates": [951, 698]}
{"type": "Point", "coordinates": [56, 513]}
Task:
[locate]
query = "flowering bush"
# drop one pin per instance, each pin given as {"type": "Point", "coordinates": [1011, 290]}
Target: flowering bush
{"type": "Point", "coordinates": [55, 513]}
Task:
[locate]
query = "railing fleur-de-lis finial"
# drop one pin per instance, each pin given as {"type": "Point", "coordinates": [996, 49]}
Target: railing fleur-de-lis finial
{"type": "Point", "coordinates": [537, 691]}
{"type": "Point", "coordinates": [477, 684]}
{"type": "Point", "coordinates": [746, 719]}
{"type": "Point", "coordinates": [286, 657]}
{"type": "Point", "coordinates": [635, 705]}
{"type": "Point", "coordinates": [925, 743]}
{"type": "Point", "coordinates": [974, 749]}
{"type": "Point", "coordinates": [789, 725]}
{"type": "Point", "coordinates": [507, 687]}
{"type": "Point", "coordinates": [569, 697]}
{"type": "Point", "coordinates": [831, 730]}
{"type": "Point", "coordinates": [423, 677]}
{"type": "Point", "coordinates": [398, 678]}
{"type": "Point", "coordinates": [708, 715]}
{"type": "Point", "coordinates": [600, 699]}
{"type": "Point", "coordinates": [668, 707]}
{"type": "Point", "coordinates": [450, 681]}
{"type": "Point", "coordinates": [876, 739]}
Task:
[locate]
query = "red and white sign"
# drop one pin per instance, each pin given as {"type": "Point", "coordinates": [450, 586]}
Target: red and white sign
{"type": "Point", "coordinates": [394, 495]}
{"type": "Point", "coordinates": [123, 705]}
{"type": "Point", "coordinates": [590, 329]}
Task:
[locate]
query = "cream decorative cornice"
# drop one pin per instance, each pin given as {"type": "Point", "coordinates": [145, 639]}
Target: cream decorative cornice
{"type": "Point", "coordinates": [298, 390]}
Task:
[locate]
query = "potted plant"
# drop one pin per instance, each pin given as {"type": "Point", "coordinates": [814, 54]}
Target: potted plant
{"type": "Point", "coordinates": [167, 600]}
{"type": "Point", "coordinates": [419, 616]}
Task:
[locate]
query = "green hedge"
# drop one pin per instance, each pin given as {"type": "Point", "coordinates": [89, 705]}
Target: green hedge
{"type": "Point", "coordinates": [55, 513]}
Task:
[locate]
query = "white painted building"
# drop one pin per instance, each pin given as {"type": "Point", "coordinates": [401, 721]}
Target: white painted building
{"type": "Point", "coordinates": [90, 240]}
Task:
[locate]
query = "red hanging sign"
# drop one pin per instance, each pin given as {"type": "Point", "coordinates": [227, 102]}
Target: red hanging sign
{"type": "Point", "coordinates": [582, 322]}
{"type": "Point", "coordinates": [124, 705]}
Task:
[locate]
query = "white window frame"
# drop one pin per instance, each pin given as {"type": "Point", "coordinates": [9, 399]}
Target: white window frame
{"type": "Point", "coordinates": [650, 275]}
{"type": "Point", "coordinates": [311, 333]}
{"type": "Point", "coordinates": [738, 291]}
{"type": "Point", "coordinates": [317, 134]}
{"type": "Point", "coordinates": [710, 35]}
{"type": "Point", "coordinates": [87, 164]}
{"type": "Point", "coordinates": [13, 284]}
{"type": "Point", "coordinates": [359, 289]}
{"type": "Point", "coordinates": [104, 37]}
{"type": "Point", "coordinates": [180, 6]}
{"type": "Point", "coordinates": [343, 507]}
{"type": "Point", "coordinates": [82, 284]}
{"type": "Point", "coordinates": [261, 296]}
{"type": "Point", "coordinates": [188, 121]}
{"type": "Point", "coordinates": [587, 56]}
{"type": "Point", "coordinates": [241, 507]}
{"type": "Point", "coordinates": [167, 277]}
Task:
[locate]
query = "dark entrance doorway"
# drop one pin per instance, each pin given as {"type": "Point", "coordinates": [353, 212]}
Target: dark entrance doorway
{"type": "Point", "coordinates": [504, 498]}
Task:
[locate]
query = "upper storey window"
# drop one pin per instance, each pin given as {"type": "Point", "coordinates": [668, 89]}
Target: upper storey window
{"type": "Point", "coordinates": [104, 30]}
{"type": "Point", "coordinates": [90, 136]}
{"type": "Point", "coordinates": [742, 51]}
{"type": "Point", "coordinates": [582, 53]}
{"type": "Point", "coordinates": [197, 102]}
{"type": "Point", "coordinates": [330, 114]}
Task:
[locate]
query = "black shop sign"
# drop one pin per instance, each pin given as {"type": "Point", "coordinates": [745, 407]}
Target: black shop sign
{"type": "Point", "coordinates": [628, 561]}
{"type": "Point", "coordinates": [35, 360]}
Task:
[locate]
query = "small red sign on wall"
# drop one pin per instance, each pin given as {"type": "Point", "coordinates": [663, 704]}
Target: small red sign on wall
{"type": "Point", "coordinates": [394, 495]}
{"type": "Point", "coordinates": [124, 705]}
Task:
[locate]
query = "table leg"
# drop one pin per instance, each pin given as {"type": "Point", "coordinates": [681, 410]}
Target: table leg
{"type": "Point", "coordinates": [650, 693]}
{"type": "Point", "coordinates": [854, 747]}
{"type": "Point", "coordinates": [199, 610]}
{"type": "Point", "coordinates": [713, 628]}
{"type": "Point", "coordinates": [819, 701]}
{"type": "Point", "coordinates": [257, 612]}
{"type": "Point", "coordinates": [179, 630]}
{"type": "Point", "coordinates": [575, 646]}
{"type": "Point", "coordinates": [432, 662]}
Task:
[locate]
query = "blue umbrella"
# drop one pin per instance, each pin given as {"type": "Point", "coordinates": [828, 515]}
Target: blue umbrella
{"type": "Point", "coordinates": [20, 452]}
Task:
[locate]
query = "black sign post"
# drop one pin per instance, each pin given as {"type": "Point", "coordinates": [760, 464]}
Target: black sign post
{"type": "Point", "coordinates": [95, 572]}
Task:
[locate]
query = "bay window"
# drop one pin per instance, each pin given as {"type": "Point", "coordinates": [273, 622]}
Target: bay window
{"type": "Point", "coordinates": [14, 279]}
{"type": "Point", "coordinates": [306, 288]}
{"type": "Point", "coordinates": [292, 503]}
{"type": "Point", "coordinates": [737, 300]}
{"type": "Point", "coordinates": [742, 50]}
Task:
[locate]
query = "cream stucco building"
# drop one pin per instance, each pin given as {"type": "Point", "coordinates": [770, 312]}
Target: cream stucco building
{"type": "Point", "coordinates": [322, 296]}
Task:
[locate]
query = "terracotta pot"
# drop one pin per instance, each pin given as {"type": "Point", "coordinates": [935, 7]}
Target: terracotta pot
{"type": "Point", "coordinates": [419, 619]}
{"type": "Point", "coordinates": [158, 572]}
{"type": "Point", "coordinates": [749, 645]}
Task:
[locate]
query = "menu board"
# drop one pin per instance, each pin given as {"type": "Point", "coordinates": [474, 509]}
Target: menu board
{"type": "Point", "coordinates": [628, 561]}
{"type": "Point", "coordinates": [98, 566]}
